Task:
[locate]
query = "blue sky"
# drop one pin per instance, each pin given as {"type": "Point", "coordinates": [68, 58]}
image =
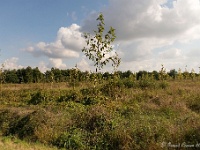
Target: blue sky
{"type": "Point", "coordinates": [47, 33]}
{"type": "Point", "coordinates": [26, 22]}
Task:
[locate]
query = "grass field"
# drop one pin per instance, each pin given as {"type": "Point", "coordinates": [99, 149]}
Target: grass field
{"type": "Point", "coordinates": [125, 114]}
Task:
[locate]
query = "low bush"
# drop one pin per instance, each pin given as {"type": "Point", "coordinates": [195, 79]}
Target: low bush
{"type": "Point", "coordinates": [129, 83]}
{"type": "Point", "coordinates": [193, 103]}
{"type": "Point", "coordinates": [36, 98]}
{"type": "Point", "coordinates": [7, 121]}
{"type": "Point", "coordinates": [71, 95]}
{"type": "Point", "coordinates": [192, 136]}
{"type": "Point", "coordinates": [146, 83]}
{"type": "Point", "coordinates": [72, 139]}
{"type": "Point", "coordinates": [112, 89]}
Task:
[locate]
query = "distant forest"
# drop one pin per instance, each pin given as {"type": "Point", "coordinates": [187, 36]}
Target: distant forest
{"type": "Point", "coordinates": [34, 75]}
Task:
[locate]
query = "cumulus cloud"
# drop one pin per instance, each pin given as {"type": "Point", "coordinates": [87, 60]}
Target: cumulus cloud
{"type": "Point", "coordinates": [42, 67]}
{"type": "Point", "coordinates": [148, 18]}
{"type": "Point", "coordinates": [11, 64]}
{"type": "Point", "coordinates": [56, 63]}
{"type": "Point", "coordinates": [194, 53]}
{"type": "Point", "coordinates": [145, 29]}
{"type": "Point", "coordinates": [52, 63]}
{"type": "Point", "coordinates": [148, 32]}
{"type": "Point", "coordinates": [170, 54]}
{"type": "Point", "coordinates": [68, 44]}
{"type": "Point", "coordinates": [83, 65]}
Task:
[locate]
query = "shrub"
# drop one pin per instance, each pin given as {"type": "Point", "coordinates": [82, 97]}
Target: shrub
{"type": "Point", "coordinates": [112, 89]}
{"type": "Point", "coordinates": [7, 120]}
{"type": "Point", "coordinates": [129, 83]}
{"type": "Point", "coordinates": [25, 127]}
{"type": "Point", "coordinates": [163, 84]}
{"type": "Point", "coordinates": [194, 103]}
{"type": "Point", "coordinates": [90, 100]}
{"type": "Point", "coordinates": [72, 139]}
{"type": "Point", "coordinates": [89, 91]}
{"type": "Point", "coordinates": [192, 136]}
{"type": "Point", "coordinates": [146, 83]}
{"type": "Point", "coordinates": [71, 96]}
{"type": "Point", "coordinates": [36, 98]}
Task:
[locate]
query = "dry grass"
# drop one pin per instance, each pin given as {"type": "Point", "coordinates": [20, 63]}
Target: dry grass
{"type": "Point", "coordinates": [10, 143]}
{"type": "Point", "coordinates": [137, 118]}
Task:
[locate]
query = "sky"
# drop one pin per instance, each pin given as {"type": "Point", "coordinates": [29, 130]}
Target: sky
{"type": "Point", "coordinates": [149, 33]}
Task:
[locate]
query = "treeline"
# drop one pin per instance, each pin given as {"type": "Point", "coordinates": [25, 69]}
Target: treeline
{"type": "Point", "coordinates": [34, 75]}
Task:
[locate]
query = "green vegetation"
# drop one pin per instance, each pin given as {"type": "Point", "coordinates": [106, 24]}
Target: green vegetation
{"type": "Point", "coordinates": [127, 114]}
{"type": "Point", "coordinates": [124, 111]}
{"type": "Point", "coordinates": [12, 143]}
{"type": "Point", "coordinates": [71, 76]}
{"type": "Point", "coordinates": [99, 47]}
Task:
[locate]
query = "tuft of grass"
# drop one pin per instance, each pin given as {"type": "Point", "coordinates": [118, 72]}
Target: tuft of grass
{"type": "Point", "coordinates": [12, 143]}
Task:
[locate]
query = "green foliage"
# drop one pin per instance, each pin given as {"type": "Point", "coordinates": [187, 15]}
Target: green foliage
{"type": "Point", "coordinates": [13, 143]}
{"type": "Point", "coordinates": [11, 76]}
{"type": "Point", "coordinates": [141, 74]}
{"type": "Point", "coordinates": [36, 98]}
{"type": "Point", "coordinates": [74, 76]}
{"type": "Point", "coordinates": [112, 89]}
{"type": "Point", "coordinates": [173, 73]}
{"type": "Point", "coordinates": [192, 136]}
{"type": "Point", "coordinates": [163, 84]}
{"type": "Point", "coordinates": [100, 45]}
{"type": "Point", "coordinates": [194, 103]}
{"type": "Point", "coordinates": [119, 113]}
{"type": "Point", "coordinates": [74, 139]}
{"type": "Point", "coordinates": [162, 73]}
{"type": "Point", "coordinates": [71, 95]}
{"type": "Point", "coordinates": [146, 82]}
{"type": "Point", "coordinates": [91, 100]}
{"type": "Point", "coordinates": [129, 83]}
{"type": "Point", "coordinates": [7, 119]}
{"type": "Point", "coordinates": [37, 75]}
{"type": "Point", "coordinates": [155, 75]}
{"type": "Point", "coordinates": [135, 121]}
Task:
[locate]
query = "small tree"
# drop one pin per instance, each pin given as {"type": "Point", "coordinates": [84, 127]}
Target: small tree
{"type": "Point", "coordinates": [99, 46]}
{"type": "Point", "coordinates": [173, 73]}
{"type": "Point", "coordinates": [74, 75]}
{"type": "Point", "coordinates": [1, 78]}
{"type": "Point", "coordinates": [192, 74]}
{"type": "Point", "coordinates": [162, 72]}
{"type": "Point", "coordinates": [180, 76]}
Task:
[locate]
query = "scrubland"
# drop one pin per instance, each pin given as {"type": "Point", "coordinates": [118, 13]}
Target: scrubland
{"type": "Point", "coordinates": [116, 114]}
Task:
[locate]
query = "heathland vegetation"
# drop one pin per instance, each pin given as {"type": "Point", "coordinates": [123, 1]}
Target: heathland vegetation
{"type": "Point", "coordinates": [72, 109]}
{"type": "Point", "coordinates": [124, 112]}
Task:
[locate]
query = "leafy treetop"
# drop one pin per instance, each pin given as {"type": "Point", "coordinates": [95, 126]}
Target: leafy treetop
{"type": "Point", "coordinates": [99, 48]}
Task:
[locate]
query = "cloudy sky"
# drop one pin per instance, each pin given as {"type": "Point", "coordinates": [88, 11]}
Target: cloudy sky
{"type": "Point", "coordinates": [48, 33]}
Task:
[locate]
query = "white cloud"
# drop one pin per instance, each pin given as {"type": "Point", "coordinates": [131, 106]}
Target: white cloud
{"type": "Point", "coordinates": [142, 19]}
{"type": "Point", "coordinates": [173, 53]}
{"type": "Point", "coordinates": [11, 64]}
{"type": "Point", "coordinates": [147, 27]}
{"type": "Point", "coordinates": [148, 19]}
{"type": "Point", "coordinates": [42, 67]}
{"type": "Point", "coordinates": [194, 53]}
{"type": "Point", "coordinates": [68, 44]}
{"type": "Point", "coordinates": [83, 65]}
{"type": "Point", "coordinates": [56, 63]}
{"type": "Point", "coordinates": [52, 63]}
{"type": "Point", "coordinates": [149, 33]}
